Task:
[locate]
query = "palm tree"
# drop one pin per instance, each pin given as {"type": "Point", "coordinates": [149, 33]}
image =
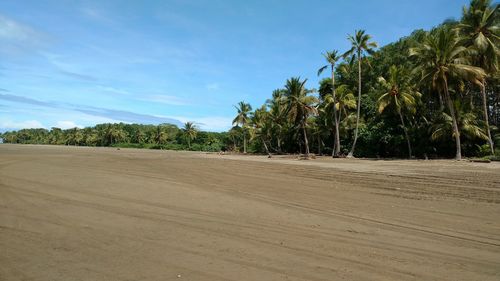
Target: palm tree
{"type": "Point", "coordinates": [160, 135]}
{"type": "Point", "coordinates": [345, 101]}
{"type": "Point", "coordinates": [139, 136]}
{"type": "Point", "coordinates": [111, 134]}
{"type": "Point", "coordinates": [234, 135]}
{"type": "Point", "coordinates": [300, 105]}
{"type": "Point", "coordinates": [480, 32]}
{"type": "Point", "coordinates": [75, 136]}
{"type": "Point", "coordinates": [242, 118]}
{"type": "Point", "coordinates": [468, 123]}
{"type": "Point", "coordinates": [56, 135]}
{"type": "Point", "coordinates": [399, 94]}
{"type": "Point", "coordinates": [441, 58]}
{"type": "Point", "coordinates": [190, 132]}
{"type": "Point", "coordinates": [360, 45]}
{"type": "Point", "coordinates": [319, 126]}
{"type": "Point", "coordinates": [277, 114]}
{"type": "Point", "coordinates": [260, 120]}
{"type": "Point", "coordinates": [92, 137]}
{"type": "Point", "coordinates": [332, 58]}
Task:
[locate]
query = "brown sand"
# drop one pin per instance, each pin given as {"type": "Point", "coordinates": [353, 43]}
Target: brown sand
{"type": "Point", "coordinates": [69, 213]}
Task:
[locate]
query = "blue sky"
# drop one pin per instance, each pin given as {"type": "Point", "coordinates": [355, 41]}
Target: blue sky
{"type": "Point", "coordinates": [77, 63]}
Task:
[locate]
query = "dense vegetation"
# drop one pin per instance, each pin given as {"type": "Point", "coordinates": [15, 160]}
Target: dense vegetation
{"type": "Point", "coordinates": [430, 94]}
{"type": "Point", "coordinates": [163, 136]}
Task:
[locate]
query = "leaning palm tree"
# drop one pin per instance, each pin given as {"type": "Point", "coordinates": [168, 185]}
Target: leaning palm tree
{"type": "Point", "coordinates": [440, 58]}
{"type": "Point", "coordinates": [242, 118]}
{"type": "Point", "coordinates": [480, 32]}
{"type": "Point", "coordinates": [400, 95]}
{"type": "Point", "coordinates": [190, 132]}
{"type": "Point", "coordinates": [360, 46]}
{"type": "Point", "coordinates": [332, 58]}
{"type": "Point", "coordinates": [300, 105]}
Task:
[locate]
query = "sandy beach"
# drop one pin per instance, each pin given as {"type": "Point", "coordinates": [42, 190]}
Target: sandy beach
{"type": "Point", "coordinates": [80, 213]}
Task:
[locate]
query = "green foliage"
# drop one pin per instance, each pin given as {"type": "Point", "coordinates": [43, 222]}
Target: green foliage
{"type": "Point", "coordinates": [430, 94]}
{"type": "Point", "coordinates": [162, 136]}
{"type": "Point", "coordinates": [420, 96]}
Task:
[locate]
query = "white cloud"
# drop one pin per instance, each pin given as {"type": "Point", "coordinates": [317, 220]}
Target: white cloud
{"type": "Point", "coordinates": [166, 99]}
{"type": "Point", "coordinates": [12, 30]}
{"type": "Point", "coordinates": [208, 123]}
{"type": "Point", "coordinates": [28, 124]}
{"type": "Point", "coordinates": [113, 90]}
{"type": "Point", "coordinates": [212, 86]}
{"type": "Point", "coordinates": [16, 37]}
{"type": "Point", "coordinates": [67, 125]}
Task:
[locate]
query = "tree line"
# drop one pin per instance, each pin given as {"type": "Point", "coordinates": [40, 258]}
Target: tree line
{"type": "Point", "coordinates": [430, 94]}
{"type": "Point", "coordinates": [163, 136]}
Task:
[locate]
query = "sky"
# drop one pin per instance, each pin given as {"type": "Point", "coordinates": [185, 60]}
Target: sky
{"type": "Point", "coordinates": [79, 63]}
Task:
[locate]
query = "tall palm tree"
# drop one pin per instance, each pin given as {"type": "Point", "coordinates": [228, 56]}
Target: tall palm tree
{"type": "Point", "coordinates": [261, 126]}
{"type": "Point", "coordinates": [242, 118]}
{"type": "Point", "coordinates": [344, 102]}
{"type": "Point", "coordinates": [361, 45]}
{"type": "Point", "coordinates": [277, 114]}
{"type": "Point", "coordinates": [480, 32]}
{"type": "Point", "coordinates": [300, 105]}
{"type": "Point", "coordinates": [332, 58]}
{"type": "Point", "coordinates": [399, 94]}
{"type": "Point", "coordinates": [441, 58]}
{"type": "Point", "coordinates": [190, 132]}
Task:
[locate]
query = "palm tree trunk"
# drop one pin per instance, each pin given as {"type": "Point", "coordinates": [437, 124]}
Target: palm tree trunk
{"type": "Point", "coordinates": [458, 154]}
{"type": "Point", "coordinates": [406, 133]}
{"type": "Point", "coordinates": [351, 153]}
{"type": "Point", "coordinates": [244, 143]}
{"type": "Point", "coordinates": [306, 143]}
{"type": "Point", "coordinates": [334, 144]}
{"type": "Point", "coordinates": [336, 149]}
{"type": "Point", "coordinates": [486, 118]}
{"type": "Point", "coordinates": [319, 145]}
{"type": "Point", "coordinates": [441, 103]}
{"type": "Point", "coordinates": [265, 146]}
{"type": "Point", "coordinates": [338, 134]}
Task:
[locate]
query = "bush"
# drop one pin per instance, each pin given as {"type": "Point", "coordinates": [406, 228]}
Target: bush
{"type": "Point", "coordinates": [484, 150]}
